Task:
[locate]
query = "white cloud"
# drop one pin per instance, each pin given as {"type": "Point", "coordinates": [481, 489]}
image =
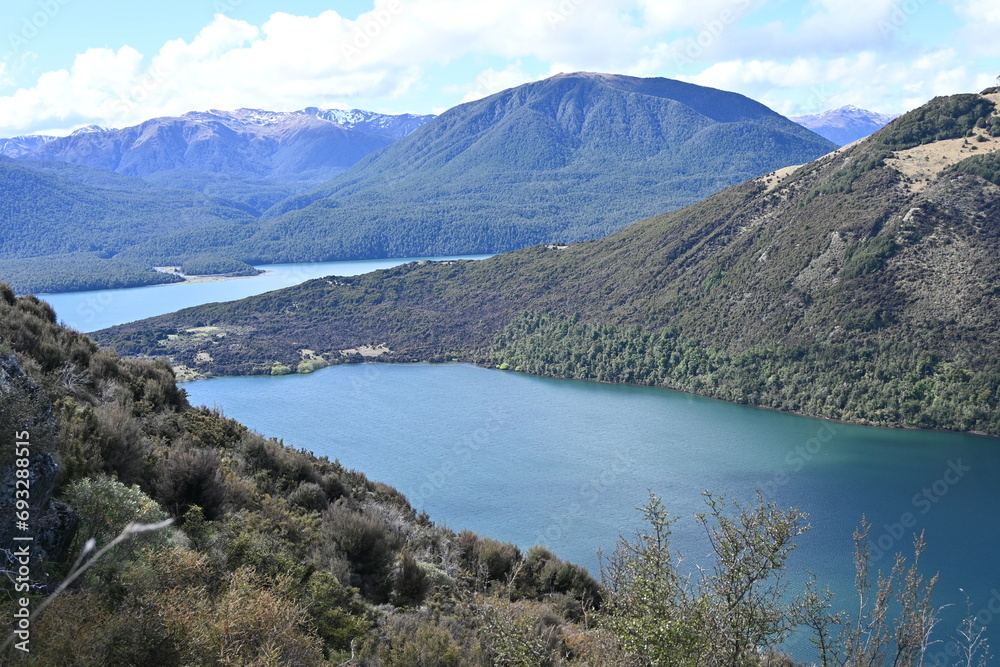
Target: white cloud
{"type": "Point", "coordinates": [982, 25]}
{"type": "Point", "coordinates": [295, 61]}
{"type": "Point", "coordinates": [820, 52]}
{"type": "Point", "coordinates": [491, 81]}
{"type": "Point", "coordinates": [662, 15]}
{"type": "Point", "coordinates": [866, 79]}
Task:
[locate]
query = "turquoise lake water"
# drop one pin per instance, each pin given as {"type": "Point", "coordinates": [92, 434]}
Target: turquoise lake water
{"type": "Point", "coordinates": [565, 463]}
{"type": "Point", "coordinates": [91, 311]}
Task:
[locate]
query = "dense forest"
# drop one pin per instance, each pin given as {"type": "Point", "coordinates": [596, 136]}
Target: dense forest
{"type": "Point", "coordinates": [46, 205]}
{"type": "Point", "coordinates": [263, 555]}
{"type": "Point", "coordinates": [215, 266]}
{"type": "Point", "coordinates": [79, 272]}
{"type": "Point", "coordinates": [569, 158]}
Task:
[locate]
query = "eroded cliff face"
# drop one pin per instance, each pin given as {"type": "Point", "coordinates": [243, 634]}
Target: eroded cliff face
{"type": "Point", "coordinates": [29, 472]}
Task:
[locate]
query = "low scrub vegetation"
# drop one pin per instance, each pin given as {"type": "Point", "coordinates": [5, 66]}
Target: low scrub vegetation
{"type": "Point", "coordinates": [276, 557]}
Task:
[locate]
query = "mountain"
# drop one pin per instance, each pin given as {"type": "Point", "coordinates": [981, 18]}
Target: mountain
{"type": "Point", "coordinates": [862, 286]}
{"type": "Point", "coordinates": [45, 206]}
{"type": "Point", "coordinates": [23, 145]}
{"type": "Point", "coordinates": [572, 157]}
{"type": "Point", "coordinates": [251, 156]}
{"type": "Point", "coordinates": [845, 125]}
{"type": "Point", "coordinates": [216, 545]}
{"type": "Point", "coordinates": [18, 146]}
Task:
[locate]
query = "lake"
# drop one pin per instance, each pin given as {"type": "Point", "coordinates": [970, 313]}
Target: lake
{"type": "Point", "coordinates": [91, 311]}
{"type": "Point", "coordinates": [565, 463]}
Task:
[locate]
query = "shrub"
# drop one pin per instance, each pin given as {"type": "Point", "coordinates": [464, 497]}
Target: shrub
{"type": "Point", "coordinates": [337, 613]}
{"type": "Point", "coordinates": [309, 496]}
{"type": "Point", "coordinates": [468, 550]}
{"type": "Point", "coordinates": [252, 623]}
{"type": "Point", "coordinates": [410, 583]}
{"type": "Point", "coordinates": [544, 574]}
{"type": "Point", "coordinates": [288, 464]}
{"type": "Point", "coordinates": [366, 541]}
{"type": "Point", "coordinates": [409, 641]}
{"type": "Point", "coordinates": [7, 294]}
{"type": "Point", "coordinates": [106, 506]}
{"type": "Point", "coordinates": [985, 166]}
{"type": "Point", "coordinates": [191, 477]}
{"type": "Point", "coordinates": [247, 543]}
{"type": "Point", "coordinates": [334, 487]}
{"type": "Point", "coordinates": [121, 441]}
{"type": "Point", "coordinates": [498, 558]}
{"type": "Point", "coordinates": [868, 256]}
{"type": "Point", "coordinates": [70, 632]}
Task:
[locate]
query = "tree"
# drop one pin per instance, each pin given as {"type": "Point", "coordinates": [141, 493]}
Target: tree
{"type": "Point", "coordinates": [736, 610]}
{"type": "Point", "coordinates": [730, 614]}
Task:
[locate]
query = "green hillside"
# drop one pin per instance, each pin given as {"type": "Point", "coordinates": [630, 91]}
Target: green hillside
{"type": "Point", "coordinates": [862, 286]}
{"type": "Point", "coordinates": [251, 553]}
{"type": "Point", "coordinates": [569, 158]}
{"type": "Point", "coordinates": [80, 219]}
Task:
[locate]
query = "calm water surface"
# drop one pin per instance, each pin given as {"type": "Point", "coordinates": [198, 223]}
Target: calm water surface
{"type": "Point", "coordinates": [91, 311]}
{"type": "Point", "coordinates": [565, 463]}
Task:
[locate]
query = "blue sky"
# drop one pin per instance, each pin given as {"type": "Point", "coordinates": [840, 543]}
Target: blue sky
{"type": "Point", "coordinates": [68, 63]}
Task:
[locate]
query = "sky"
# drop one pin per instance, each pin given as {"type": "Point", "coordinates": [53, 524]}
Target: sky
{"type": "Point", "coordinates": [69, 63]}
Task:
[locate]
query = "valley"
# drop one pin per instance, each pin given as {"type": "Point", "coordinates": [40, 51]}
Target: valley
{"type": "Point", "coordinates": [528, 365]}
{"type": "Point", "coordinates": [768, 297]}
{"type": "Point", "coordinates": [583, 155]}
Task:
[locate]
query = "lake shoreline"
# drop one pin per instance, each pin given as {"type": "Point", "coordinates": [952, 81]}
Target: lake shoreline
{"type": "Point", "coordinates": [194, 279]}
{"type": "Point", "coordinates": [186, 374]}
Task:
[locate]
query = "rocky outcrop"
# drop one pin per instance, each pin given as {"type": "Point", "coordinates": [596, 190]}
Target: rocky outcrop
{"type": "Point", "coordinates": [27, 424]}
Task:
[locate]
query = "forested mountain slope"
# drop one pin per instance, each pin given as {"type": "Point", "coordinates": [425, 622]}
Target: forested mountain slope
{"type": "Point", "coordinates": [78, 218]}
{"type": "Point", "coordinates": [572, 157]}
{"type": "Point", "coordinates": [861, 286]}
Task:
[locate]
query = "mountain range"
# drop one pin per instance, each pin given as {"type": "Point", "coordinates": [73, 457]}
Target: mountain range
{"type": "Point", "coordinates": [845, 125]}
{"type": "Point", "coordinates": [249, 156]}
{"type": "Point", "coordinates": [861, 286]}
{"type": "Point", "coordinates": [572, 157]}
{"type": "Point", "coordinates": [569, 158]}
